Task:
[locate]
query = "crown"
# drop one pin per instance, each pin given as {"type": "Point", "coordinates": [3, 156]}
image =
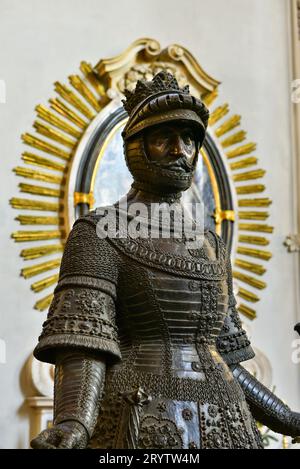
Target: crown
{"type": "Point", "coordinates": [162, 81]}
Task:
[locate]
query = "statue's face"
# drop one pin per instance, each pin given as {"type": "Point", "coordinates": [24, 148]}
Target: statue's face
{"type": "Point", "coordinates": [171, 145]}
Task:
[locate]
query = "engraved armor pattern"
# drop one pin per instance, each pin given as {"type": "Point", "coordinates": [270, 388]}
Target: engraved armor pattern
{"type": "Point", "coordinates": [167, 316]}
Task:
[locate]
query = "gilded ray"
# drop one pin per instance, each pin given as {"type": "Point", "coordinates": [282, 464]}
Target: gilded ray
{"type": "Point", "coordinates": [36, 160]}
{"type": "Point", "coordinates": [255, 174]}
{"type": "Point", "coordinates": [245, 163]}
{"type": "Point", "coordinates": [233, 139]}
{"type": "Point", "coordinates": [248, 295]}
{"type": "Point", "coordinates": [40, 251]}
{"type": "Point", "coordinates": [45, 283]}
{"type": "Point", "coordinates": [246, 311]}
{"type": "Point", "coordinates": [260, 227]}
{"type": "Point", "coordinates": [40, 190]}
{"type": "Point", "coordinates": [53, 134]}
{"type": "Point", "coordinates": [257, 253]}
{"type": "Point", "coordinates": [228, 125]}
{"type": "Point", "coordinates": [250, 189]}
{"type": "Point", "coordinates": [45, 146]}
{"type": "Point", "coordinates": [60, 107]}
{"type": "Point", "coordinates": [37, 175]}
{"type": "Point", "coordinates": [28, 204]}
{"type": "Point", "coordinates": [21, 236]}
{"type": "Point", "coordinates": [242, 150]}
{"type": "Point", "coordinates": [73, 99]}
{"type": "Point", "coordinates": [37, 269]}
{"type": "Point", "coordinates": [83, 89]}
{"type": "Point", "coordinates": [44, 303]}
{"type": "Point", "coordinates": [33, 220]}
{"type": "Point", "coordinates": [49, 116]}
{"type": "Point", "coordinates": [209, 98]}
{"type": "Point", "coordinates": [250, 266]}
{"type": "Point", "coordinates": [218, 113]}
{"type": "Point", "coordinates": [259, 240]}
{"type": "Point", "coordinates": [253, 215]}
{"type": "Point", "coordinates": [262, 202]}
{"type": "Point", "coordinates": [91, 76]}
{"type": "Point", "coordinates": [252, 281]}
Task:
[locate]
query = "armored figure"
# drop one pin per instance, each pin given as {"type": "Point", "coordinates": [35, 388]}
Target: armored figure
{"type": "Point", "coordinates": [144, 333]}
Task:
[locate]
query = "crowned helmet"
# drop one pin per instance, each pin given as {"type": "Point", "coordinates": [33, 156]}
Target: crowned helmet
{"type": "Point", "coordinates": [152, 103]}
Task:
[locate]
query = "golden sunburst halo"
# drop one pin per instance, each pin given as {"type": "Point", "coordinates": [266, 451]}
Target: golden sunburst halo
{"type": "Point", "coordinates": [252, 214]}
{"type": "Point", "coordinates": [60, 126]}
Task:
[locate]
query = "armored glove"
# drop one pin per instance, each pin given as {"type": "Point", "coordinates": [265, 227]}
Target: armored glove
{"type": "Point", "coordinates": [266, 408]}
{"type": "Point", "coordinates": [79, 381]}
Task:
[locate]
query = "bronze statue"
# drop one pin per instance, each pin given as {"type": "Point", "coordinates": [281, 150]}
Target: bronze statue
{"type": "Point", "coordinates": [144, 332]}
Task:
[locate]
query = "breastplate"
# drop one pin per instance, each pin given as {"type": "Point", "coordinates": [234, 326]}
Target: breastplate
{"type": "Point", "coordinates": [172, 305]}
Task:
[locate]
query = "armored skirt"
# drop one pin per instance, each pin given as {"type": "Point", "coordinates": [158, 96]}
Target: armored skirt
{"type": "Point", "coordinates": [165, 318]}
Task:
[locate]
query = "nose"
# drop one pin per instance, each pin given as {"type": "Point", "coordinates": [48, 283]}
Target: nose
{"type": "Point", "coordinates": [177, 147]}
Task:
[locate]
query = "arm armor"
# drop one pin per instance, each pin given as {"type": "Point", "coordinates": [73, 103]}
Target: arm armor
{"type": "Point", "coordinates": [266, 408]}
{"type": "Point", "coordinates": [82, 315]}
{"type": "Point", "coordinates": [79, 381]}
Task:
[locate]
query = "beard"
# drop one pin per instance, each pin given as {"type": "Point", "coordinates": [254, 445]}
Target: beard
{"type": "Point", "coordinates": [166, 177]}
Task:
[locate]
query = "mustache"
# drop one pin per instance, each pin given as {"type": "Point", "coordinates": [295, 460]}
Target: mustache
{"type": "Point", "coordinates": [180, 163]}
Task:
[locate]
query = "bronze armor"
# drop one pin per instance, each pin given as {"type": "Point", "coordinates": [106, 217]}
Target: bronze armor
{"type": "Point", "coordinates": [169, 315]}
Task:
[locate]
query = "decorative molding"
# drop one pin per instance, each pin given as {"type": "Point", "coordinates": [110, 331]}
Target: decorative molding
{"type": "Point", "coordinates": [40, 377]}
{"type": "Point", "coordinates": [292, 242]}
{"type": "Point", "coordinates": [40, 382]}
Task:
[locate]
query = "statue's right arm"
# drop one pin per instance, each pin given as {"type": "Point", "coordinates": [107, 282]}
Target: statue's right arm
{"type": "Point", "coordinates": [80, 335]}
{"type": "Point", "coordinates": [78, 386]}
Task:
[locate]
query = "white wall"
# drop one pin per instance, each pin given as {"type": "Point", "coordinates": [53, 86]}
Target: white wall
{"type": "Point", "coordinates": [243, 43]}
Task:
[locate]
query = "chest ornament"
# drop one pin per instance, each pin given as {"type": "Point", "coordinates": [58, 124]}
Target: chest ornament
{"type": "Point", "coordinates": [138, 250]}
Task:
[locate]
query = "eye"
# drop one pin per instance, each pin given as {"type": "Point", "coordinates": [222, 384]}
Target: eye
{"type": "Point", "coordinates": [159, 140]}
{"type": "Point", "coordinates": [188, 138]}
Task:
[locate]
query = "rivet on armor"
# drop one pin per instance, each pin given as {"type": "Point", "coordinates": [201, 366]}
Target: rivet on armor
{"type": "Point", "coordinates": [212, 411]}
{"type": "Point", "coordinates": [161, 407]}
{"type": "Point", "coordinates": [192, 445]}
{"type": "Point", "coordinates": [187, 414]}
{"type": "Point", "coordinates": [194, 285]}
{"type": "Point", "coordinates": [196, 366]}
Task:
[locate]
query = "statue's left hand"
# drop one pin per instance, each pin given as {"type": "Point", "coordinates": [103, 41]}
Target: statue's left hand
{"type": "Point", "coordinates": [66, 435]}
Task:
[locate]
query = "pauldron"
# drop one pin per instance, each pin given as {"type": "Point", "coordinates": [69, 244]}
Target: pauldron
{"type": "Point", "coordinates": [82, 313]}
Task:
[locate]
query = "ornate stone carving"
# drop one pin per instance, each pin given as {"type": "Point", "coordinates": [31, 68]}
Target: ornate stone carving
{"type": "Point", "coordinates": [292, 242]}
